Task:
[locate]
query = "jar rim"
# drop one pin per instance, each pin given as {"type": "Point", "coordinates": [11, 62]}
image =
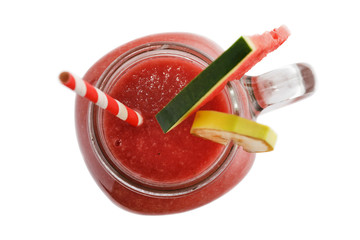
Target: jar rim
{"type": "Point", "coordinates": [104, 83]}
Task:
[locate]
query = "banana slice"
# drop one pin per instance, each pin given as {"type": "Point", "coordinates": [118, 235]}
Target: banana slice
{"type": "Point", "coordinates": [222, 128]}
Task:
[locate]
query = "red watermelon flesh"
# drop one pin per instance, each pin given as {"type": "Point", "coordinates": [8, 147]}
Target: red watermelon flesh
{"type": "Point", "coordinates": [262, 45]}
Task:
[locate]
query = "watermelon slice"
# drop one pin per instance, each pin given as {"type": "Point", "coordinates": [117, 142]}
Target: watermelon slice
{"type": "Point", "coordinates": [232, 64]}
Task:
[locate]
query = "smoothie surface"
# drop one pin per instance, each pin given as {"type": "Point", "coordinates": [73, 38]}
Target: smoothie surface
{"type": "Point", "coordinates": [145, 151]}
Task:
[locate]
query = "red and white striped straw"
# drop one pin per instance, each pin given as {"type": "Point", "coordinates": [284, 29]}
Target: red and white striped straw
{"type": "Point", "coordinates": [101, 99]}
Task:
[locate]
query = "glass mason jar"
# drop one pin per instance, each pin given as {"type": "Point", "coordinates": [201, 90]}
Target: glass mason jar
{"type": "Point", "coordinates": [246, 97]}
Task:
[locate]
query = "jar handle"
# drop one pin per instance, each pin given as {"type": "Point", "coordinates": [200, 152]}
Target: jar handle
{"type": "Point", "coordinates": [279, 87]}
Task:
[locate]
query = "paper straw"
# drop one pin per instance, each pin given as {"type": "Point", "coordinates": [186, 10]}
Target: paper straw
{"type": "Point", "coordinates": [101, 99]}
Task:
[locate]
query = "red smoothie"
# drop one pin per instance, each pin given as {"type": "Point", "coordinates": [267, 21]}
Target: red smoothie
{"type": "Point", "coordinates": [142, 169]}
{"type": "Point", "coordinates": [146, 151]}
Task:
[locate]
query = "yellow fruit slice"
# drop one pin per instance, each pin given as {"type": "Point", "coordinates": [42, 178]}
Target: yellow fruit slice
{"type": "Point", "coordinates": [222, 128]}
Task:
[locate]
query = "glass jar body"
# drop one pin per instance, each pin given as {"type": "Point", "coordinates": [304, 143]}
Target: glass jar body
{"type": "Point", "coordinates": [148, 198]}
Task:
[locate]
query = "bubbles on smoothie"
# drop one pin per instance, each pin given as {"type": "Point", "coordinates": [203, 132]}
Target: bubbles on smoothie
{"type": "Point", "coordinates": [118, 142]}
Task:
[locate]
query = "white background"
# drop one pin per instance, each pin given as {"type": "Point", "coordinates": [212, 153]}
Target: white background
{"type": "Point", "coordinates": [308, 188]}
